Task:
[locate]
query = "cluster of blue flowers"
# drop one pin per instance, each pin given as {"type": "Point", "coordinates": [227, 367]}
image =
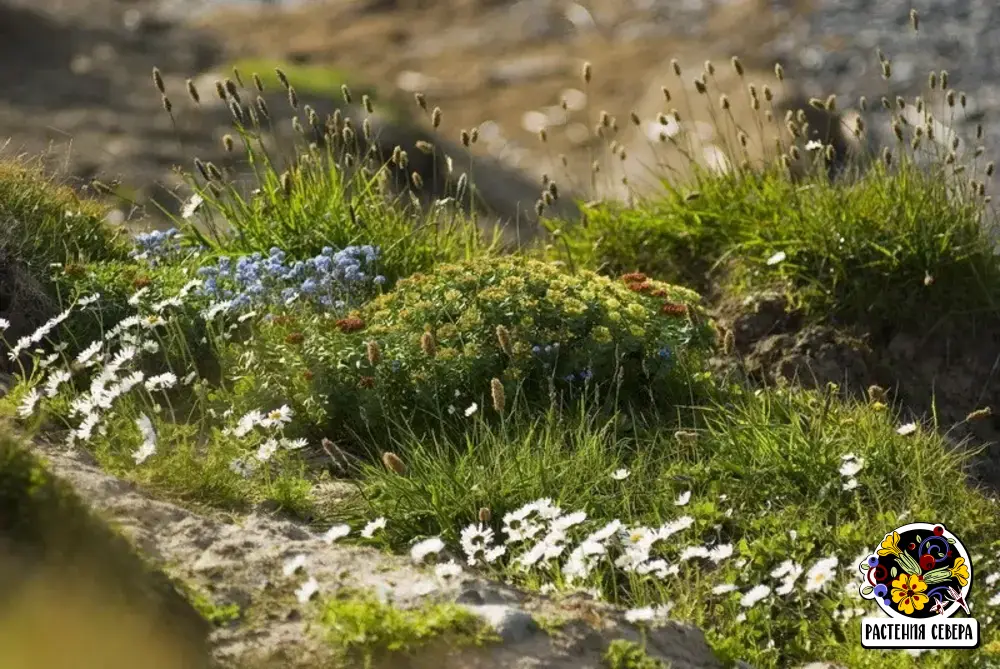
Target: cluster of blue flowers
{"type": "Point", "coordinates": [157, 245]}
{"type": "Point", "coordinates": [332, 280]}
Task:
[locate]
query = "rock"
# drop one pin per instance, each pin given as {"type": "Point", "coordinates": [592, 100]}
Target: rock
{"type": "Point", "coordinates": [512, 624]}
{"type": "Point", "coordinates": [234, 561]}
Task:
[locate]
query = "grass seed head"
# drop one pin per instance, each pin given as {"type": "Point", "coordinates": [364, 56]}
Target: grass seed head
{"type": "Point", "coordinates": [737, 66]}
{"type": "Point", "coordinates": [293, 98]}
{"type": "Point", "coordinates": [346, 93]}
{"type": "Point", "coordinates": [427, 344]}
{"type": "Point", "coordinates": [498, 395]}
{"type": "Point", "coordinates": [393, 463]}
{"type": "Point", "coordinates": [503, 338]}
{"type": "Point", "coordinates": [587, 72]}
{"type": "Point", "coordinates": [227, 142]}
{"type": "Point", "coordinates": [158, 81]}
{"type": "Point", "coordinates": [374, 352]}
{"type": "Point", "coordinates": [485, 515]}
{"type": "Point", "coordinates": [167, 105]}
{"type": "Point", "coordinates": [234, 92]}
{"type": "Point", "coordinates": [282, 78]}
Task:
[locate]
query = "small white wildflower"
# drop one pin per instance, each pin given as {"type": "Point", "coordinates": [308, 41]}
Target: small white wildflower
{"type": "Point", "coordinates": [90, 299]}
{"type": "Point", "coordinates": [850, 484]}
{"type": "Point", "coordinates": [276, 418]}
{"type": "Point", "coordinates": [148, 447]}
{"type": "Point", "coordinates": [814, 145]}
{"type": "Point", "coordinates": [777, 258]}
{"type": "Point", "coordinates": [645, 614]}
{"type": "Point", "coordinates": [473, 408]}
{"type": "Point", "coordinates": [850, 468]}
{"type": "Point", "coordinates": [791, 577]}
{"type": "Point", "coordinates": [754, 595]}
{"type": "Point", "coordinates": [307, 590]}
{"type": "Point", "coordinates": [58, 378]}
{"type": "Point", "coordinates": [448, 570]}
{"type": "Point", "coordinates": [683, 499]}
{"type": "Point", "coordinates": [563, 523]}
{"type": "Point", "coordinates": [294, 444]}
{"type": "Point", "coordinates": [242, 467]}
{"type": "Point", "coordinates": [137, 296]}
{"type": "Point", "coordinates": [693, 552]}
{"type": "Point", "coordinates": [724, 589]}
{"type": "Point", "coordinates": [294, 564]}
{"type": "Point", "coordinates": [248, 422]}
{"type": "Point", "coordinates": [821, 573]}
{"type": "Point", "coordinates": [426, 547]}
{"type": "Point", "coordinates": [669, 529]}
{"type": "Point", "coordinates": [476, 539]}
{"type": "Point", "coordinates": [89, 352]}
{"type": "Point", "coordinates": [28, 403]}
{"type": "Point", "coordinates": [620, 474]}
{"type": "Point", "coordinates": [372, 527]}
{"type": "Point", "coordinates": [907, 429]}
{"type": "Point", "coordinates": [4, 324]}
{"type": "Point", "coordinates": [161, 381]}
{"type": "Point", "coordinates": [192, 205]}
{"type": "Point", "coordinates": [720, 553]}
{"type": "Point", "coordinates": [336, 532]}
{"type": "Point", "coordinates": [267, 449]}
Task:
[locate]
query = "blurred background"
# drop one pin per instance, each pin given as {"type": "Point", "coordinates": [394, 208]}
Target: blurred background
{"type": "Point", "coordinates": [75, 75]}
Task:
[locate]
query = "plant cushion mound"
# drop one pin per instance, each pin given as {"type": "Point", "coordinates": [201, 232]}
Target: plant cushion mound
{"type": "Point", "coordinates": [433, 345]}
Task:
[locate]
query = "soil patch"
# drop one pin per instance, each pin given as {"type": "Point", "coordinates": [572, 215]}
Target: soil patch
{"type": "Point", "coordinates": [945, 373]}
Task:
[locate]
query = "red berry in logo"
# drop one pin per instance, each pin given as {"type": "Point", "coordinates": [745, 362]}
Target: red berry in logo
{"type": "Point", "coordinates": [912, 546]}
{"type": "Point", "coordinates": [938, 530]}
{"type": "Point", "coordinates": [927, 562]}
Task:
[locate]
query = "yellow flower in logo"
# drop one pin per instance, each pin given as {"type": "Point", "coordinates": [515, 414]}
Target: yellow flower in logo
{"type": "Point", "coordinates": [908, 593]}
{"type": "Point", "coordinates": [889, 545]}
{"type": "Point", "coordinates": [961, 571]}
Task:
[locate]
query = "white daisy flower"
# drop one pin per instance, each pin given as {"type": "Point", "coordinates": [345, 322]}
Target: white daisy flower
{"type": "Point", "coordinates": [473, 408]}
{"type": "Point", "coordinates": [276, 418]}
{"type": "Point", "coordinates": [907, 429]}
{"type": "Point", "coordinates": [683, 499]}
{"type": "Point", "coordinates": [777, 258]}
{"type": "Point", "coordinates": [28, 403]}
{"type": "Point", "coordinates": [821, 573]}
{"type": "Point", "coordinates": [754, 595]}
{"type": "Point", "coordinates": [372, 527]}
{"type": "Point", "coordinates": [293, 564]}
{"type": "Point", "coordinates": [307, 590]}
{"type": "Point", "coordinates": [620, 474]}
{"type": "Point", "coordinates": [850, 468]}
{"type": "Point", "coordinates": [426, 547]}
{"type": "Point", "coordinates": [336, 532]}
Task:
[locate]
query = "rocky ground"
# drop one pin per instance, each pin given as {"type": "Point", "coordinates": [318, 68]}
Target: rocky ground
{"type": "Point", "coordinates": [242, 563]}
